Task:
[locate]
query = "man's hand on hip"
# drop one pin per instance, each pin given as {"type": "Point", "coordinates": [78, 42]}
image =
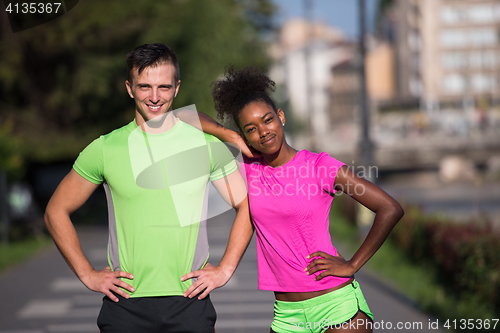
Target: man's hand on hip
{"type": "Point", "coordinates": [209, 278]}
{"type": "Point", "coordinates": [106, 281]}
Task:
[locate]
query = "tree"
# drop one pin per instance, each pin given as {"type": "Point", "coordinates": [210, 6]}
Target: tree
{"type": "Point", "coordinates": [11, 160]}
{"type": "Point", "coordinates": [382, 25]}
{"type": "Point", "coordinates": [62, 83]}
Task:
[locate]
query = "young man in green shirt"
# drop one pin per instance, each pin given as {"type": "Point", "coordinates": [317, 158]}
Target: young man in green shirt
{"type": "Point", "coordinates": [155, 172]}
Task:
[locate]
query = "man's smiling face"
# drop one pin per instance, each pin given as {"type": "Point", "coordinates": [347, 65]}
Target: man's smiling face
{"type": "Point", "coordinates": [153, 91]}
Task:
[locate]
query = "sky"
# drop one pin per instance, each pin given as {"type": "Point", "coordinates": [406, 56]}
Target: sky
{"type": "Point", "coordinates": [338, 13]}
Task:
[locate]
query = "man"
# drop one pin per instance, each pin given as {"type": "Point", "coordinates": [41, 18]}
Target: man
{"type": "Point", "coordinates": [155, 171]}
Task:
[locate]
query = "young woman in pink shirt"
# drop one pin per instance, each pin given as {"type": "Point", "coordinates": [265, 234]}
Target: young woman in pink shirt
{"type": "Point", "coordinates": [290, 193]}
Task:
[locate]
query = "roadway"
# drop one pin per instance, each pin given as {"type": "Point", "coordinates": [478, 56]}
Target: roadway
{"type": "Point", "coordinates": [42, 295]}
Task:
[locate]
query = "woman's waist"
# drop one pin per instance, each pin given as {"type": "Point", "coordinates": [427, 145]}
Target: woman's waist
{"type": "Point", "coordinates": [302, 296]}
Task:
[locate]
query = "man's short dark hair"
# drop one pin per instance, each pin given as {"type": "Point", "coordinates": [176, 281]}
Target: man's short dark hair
{"type": "Point", "coordinates": [148, 55]}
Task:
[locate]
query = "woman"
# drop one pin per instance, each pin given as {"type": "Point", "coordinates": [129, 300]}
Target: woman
{"type": "Point", "coordinates": [290, 193]}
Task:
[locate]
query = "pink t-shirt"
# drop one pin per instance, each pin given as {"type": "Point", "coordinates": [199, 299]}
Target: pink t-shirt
{"type": "Point", "coordinates": [290, 207]}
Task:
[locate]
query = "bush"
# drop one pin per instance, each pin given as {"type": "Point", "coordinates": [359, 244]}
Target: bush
{"type": "Point", "coordinates": [467, 256]}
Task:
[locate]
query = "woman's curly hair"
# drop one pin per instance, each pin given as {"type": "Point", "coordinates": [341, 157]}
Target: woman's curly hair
{"type": "Point", "coordinates": [238, 88]}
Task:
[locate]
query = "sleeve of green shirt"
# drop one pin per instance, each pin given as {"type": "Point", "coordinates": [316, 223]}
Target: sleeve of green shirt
{"type": "Point", "coordinates": [90, 163]}
{"type": "Point", "coordinates": [221, 158]}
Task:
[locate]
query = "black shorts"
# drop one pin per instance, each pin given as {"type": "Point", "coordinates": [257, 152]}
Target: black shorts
{"type": "Point", "coordinates": [157, 315]}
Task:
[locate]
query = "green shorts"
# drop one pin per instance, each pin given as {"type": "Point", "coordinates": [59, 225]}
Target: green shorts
{"type": "Point", "coordinates": [320, 313]}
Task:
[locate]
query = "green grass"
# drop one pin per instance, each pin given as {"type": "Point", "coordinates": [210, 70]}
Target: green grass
{"type": "Point", "coordinates": [419, 282]}
{"type": "Point", "coordinates": [21, 250]}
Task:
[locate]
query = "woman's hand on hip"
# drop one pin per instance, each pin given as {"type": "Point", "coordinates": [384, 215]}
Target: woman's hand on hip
{"type": "Point", "coordinates": [330, 265]}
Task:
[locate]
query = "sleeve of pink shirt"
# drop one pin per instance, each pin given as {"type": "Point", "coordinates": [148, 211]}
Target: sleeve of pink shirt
{"type": "Point", "coordinates": [327, 168]}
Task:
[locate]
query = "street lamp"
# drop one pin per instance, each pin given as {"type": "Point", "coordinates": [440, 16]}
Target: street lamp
{"type": "Point", "coordinates": [307, 59]}
{"type": "Point", "coordinates": [365, 144]}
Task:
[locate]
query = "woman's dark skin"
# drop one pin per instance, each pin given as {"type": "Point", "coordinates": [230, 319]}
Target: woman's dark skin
{"type": "Point", "coordinates": [262, 129]}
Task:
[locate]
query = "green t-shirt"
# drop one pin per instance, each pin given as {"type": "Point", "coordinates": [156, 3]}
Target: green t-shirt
{"type": "Point", "coordinates": [157, 191]}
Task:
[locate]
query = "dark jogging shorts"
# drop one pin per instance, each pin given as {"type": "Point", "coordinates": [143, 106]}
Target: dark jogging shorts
{"type": "Point", "coordinates": [166, 314]}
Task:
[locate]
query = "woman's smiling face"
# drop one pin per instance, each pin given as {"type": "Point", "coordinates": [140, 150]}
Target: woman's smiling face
{"type": "Point", "coordinates": [262, 127]}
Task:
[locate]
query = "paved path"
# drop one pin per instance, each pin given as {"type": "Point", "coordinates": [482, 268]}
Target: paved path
{"type": "Point", "coordinates": [42, 295]}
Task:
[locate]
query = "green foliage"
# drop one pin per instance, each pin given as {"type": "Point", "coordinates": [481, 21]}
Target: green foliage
{"type": "Point", "coordinates": [20, 250]}
{"type": "Point", "coordinates": [469, 260]}
{"type": "Point", "coordinates": [63, 82]}
{"type": "Point", "coordinates": [411, 235]}
{"type": "Point", "coordinates": [341, 227]}
{"type": "Point", "coordinates": [465, 257]}
{"type": "Point", "coordinates": [383, 17]}
{"type": "Point", "coordinates": [11, 160]}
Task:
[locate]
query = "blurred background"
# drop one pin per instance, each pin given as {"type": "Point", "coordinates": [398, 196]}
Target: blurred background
{"type": "Point", "coordinates": [406, 92]}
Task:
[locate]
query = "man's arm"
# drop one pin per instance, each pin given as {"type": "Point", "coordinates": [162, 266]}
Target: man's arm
{"type": "Point", "coordinates": [71, 194]}
{"type": "Point", "coordinates": [206, 124]}
{"type": "Point", "coordinates": [232, 188]}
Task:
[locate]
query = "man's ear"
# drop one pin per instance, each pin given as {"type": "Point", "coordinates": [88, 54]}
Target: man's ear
{"type": "Point", "coordinates": [177, 88]}
{"type": "Point", "coordinates": [129, 88]}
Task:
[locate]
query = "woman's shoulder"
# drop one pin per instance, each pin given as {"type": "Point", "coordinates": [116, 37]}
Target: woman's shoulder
{"type": "Point", "coordinates": [321, 158]}
{"type": "Point", "coordinates": [310, 155]}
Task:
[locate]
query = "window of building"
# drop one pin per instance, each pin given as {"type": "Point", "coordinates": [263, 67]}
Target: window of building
{"type": "Point", "coordinates": [483, 59]}
{"type": "Point", "coordinates": [484, 36]}
{"type": "Point", "coordinates": [482, 82]}
{"type": "Point", "coordinates": [454, 60]}
{"type": "Point", "coordinates": [416, 62]}
{"type": "Point", "coordinates": [453, 38]}
{"type": "Point", "coordinates": [415, 86]}
{"type": "Point", "coordinates": [414, 40]}
{"type": "Point", "coordinates": [475, 60]}
{"type": "Point", "coordinates": [481, 14]}
{"type": "Point", "coordinates": [452, 15]}
{"type": "Point", "coordinates": [490, 59]}
{"type": "Point", "coordinates": [454, 84]}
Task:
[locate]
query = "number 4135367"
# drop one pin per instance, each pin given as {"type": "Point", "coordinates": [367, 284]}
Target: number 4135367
{"type": "Point", "coordinates": [33, 8]}
{"type": "Point", "coordinates": [471, 324]}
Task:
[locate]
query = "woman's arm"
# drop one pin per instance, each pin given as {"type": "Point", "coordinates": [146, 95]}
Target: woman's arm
{"type": "Point", "coordinates": [206, 124]}
{"type": "Point", "coordinates": [387, 213]}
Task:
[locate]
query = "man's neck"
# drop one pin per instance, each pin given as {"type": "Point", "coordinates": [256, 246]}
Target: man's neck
{"type": "Point", "coordinates": [157, 125]}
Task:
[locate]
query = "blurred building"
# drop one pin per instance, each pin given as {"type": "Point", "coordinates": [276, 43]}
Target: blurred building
{"type": "Point", "coordinates": [447, 52]}
{"type": "Point", "coordinates": [318, 66]}
{"type": "Point", "coordinates": [345, 80]}
{"type": "Point", "coordinates": [432, 77]}
{"type": "Point", "coordinates": [380, 71]}
{"type": "Point", "coordinates": [303, 57]}
{"type": "Point", "coordinates": [345, 92]}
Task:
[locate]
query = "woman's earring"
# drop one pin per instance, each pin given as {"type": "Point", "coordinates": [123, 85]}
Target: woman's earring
{"type": "Point", "coordinates": [283, 124]}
